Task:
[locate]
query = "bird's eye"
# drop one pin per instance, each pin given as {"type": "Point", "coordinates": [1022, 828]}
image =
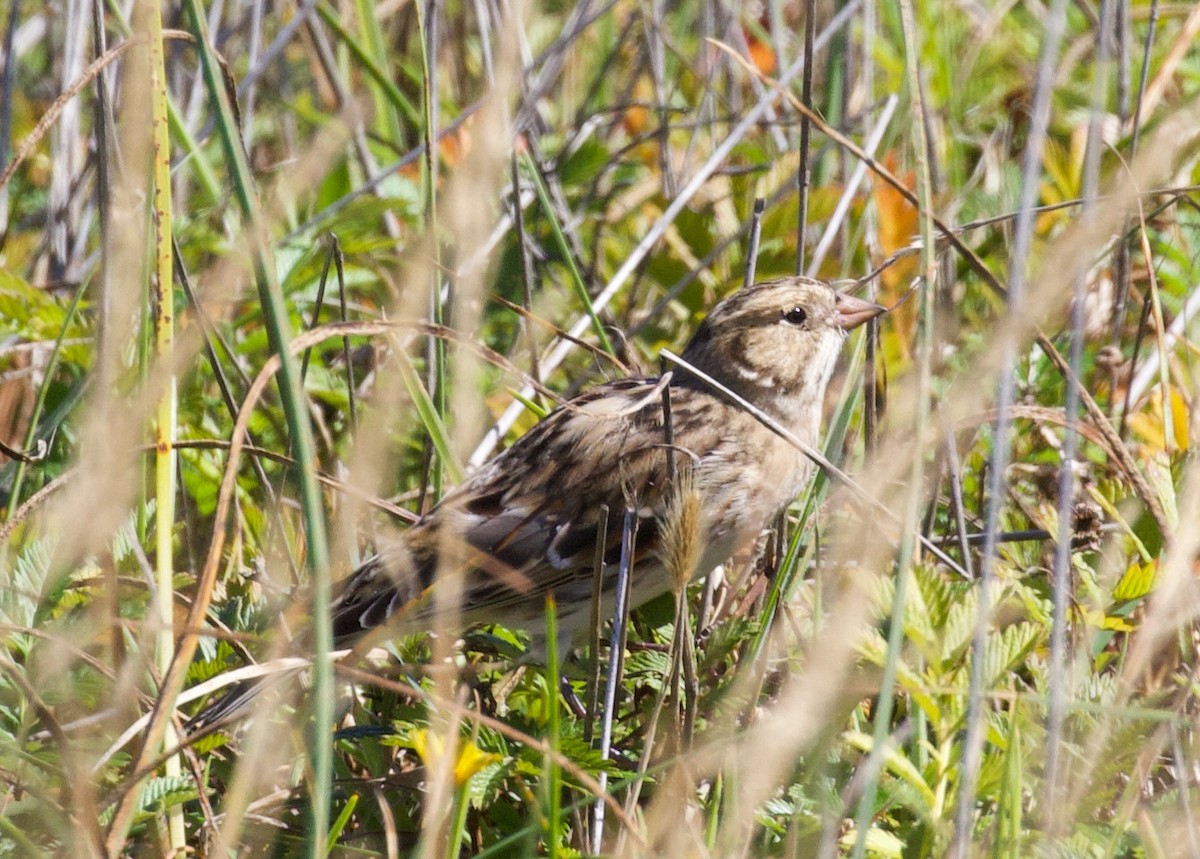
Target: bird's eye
{"type": "Point", "coordinates": [796, 316]}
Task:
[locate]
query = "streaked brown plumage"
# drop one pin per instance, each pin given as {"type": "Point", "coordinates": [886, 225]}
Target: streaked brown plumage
{"type": "Point", "coordinates": [527, 522]}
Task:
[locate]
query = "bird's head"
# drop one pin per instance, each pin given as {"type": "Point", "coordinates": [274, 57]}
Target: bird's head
{"type": "Point", "coordinates": [775, 343]}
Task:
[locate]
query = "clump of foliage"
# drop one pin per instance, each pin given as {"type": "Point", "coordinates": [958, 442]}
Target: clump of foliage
{"type": "Point", "coordinates": [984, 644]}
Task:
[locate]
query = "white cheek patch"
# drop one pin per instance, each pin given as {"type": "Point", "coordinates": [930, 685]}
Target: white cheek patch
{"type": "Point", "coordinates": [830, 348]}
{"type": "Point", "coordinates": [746, 373]}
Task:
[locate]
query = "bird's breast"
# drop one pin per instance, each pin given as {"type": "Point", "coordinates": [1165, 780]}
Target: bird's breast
{"type": "Point", "coordinates": [746, 487]}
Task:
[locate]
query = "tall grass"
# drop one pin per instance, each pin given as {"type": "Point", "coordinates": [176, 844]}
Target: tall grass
{"type": "Point", "coordinates": [976, 636]}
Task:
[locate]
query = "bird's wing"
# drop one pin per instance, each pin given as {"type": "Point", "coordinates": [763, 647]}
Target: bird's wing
{"type": "Point", "coordinates": [528, 522]}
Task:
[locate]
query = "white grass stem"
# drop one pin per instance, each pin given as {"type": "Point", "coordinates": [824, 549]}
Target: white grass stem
{"type": "Point", "coordinates": [856, 177]}
{"type": "Point", "coordinates": [615, 663]}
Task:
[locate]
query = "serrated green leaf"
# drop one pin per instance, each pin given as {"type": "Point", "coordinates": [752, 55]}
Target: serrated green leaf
{"type": "Point", "coordinates": [1137, 581]}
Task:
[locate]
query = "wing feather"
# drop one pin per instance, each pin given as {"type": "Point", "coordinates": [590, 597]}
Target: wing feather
{"type": "Point", "coordinates": [527, 522]}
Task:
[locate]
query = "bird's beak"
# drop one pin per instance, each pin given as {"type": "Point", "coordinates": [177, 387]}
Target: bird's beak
{"type": "Point", "coordinates": [850, 312]}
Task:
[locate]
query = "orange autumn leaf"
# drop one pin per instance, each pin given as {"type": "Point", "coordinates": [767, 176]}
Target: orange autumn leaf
{"type": "Point", "coordinates": [452, 148]}
{"type": "Point", "coordinates": [898, 226]}
{"type": "Point", "coordinates": [762, 55]}
{"type": "Point", "coordinates": [636, 119]}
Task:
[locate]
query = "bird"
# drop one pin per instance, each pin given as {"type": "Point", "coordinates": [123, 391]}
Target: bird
{"type": "Point", "coordinates": [528, 522]}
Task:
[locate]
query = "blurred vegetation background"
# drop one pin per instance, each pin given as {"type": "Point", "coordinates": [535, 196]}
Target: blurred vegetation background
{"type": "Point", "coordinates": [478, 207]}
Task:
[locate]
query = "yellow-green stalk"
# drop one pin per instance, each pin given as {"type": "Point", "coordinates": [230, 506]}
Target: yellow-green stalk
{"type": "Point", "coordinates": [164, 425]}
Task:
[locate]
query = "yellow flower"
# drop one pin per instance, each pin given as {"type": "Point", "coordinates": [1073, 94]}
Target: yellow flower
{"type": "Point", "coordinates": [471, 759]}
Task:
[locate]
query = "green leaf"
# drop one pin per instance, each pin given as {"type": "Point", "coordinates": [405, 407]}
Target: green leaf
{"type": "Point", "coordinates": [1137, 581]}
{"type": "Point", "coordinates": [898, 765]}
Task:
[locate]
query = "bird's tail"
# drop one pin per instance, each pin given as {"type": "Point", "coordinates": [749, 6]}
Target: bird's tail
{"type": "Point", "coordinates": [238, 702]}
{"type": "Point", "coordinates": [366, 606]}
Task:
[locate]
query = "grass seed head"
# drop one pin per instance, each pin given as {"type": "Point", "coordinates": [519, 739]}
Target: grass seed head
{"type": "Point", "coordinates": [681, 531]}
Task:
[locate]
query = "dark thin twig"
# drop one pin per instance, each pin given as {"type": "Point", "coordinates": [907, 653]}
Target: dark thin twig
{"type": "Point", "coordinates": [199, 774]}
{"type": "Point", "coordinates": [351, 387]}
{"type": "Point", "coordinates": [668, 425]}
{"type": "Point", "coordinates": [39, 452]}
{"type": "Point", "coordinates": [1123, 271]}
{"type": "Point", "coordinates": [316, 313]}
{"type": "Point", "coordinates": [871, 370]}
{"type": "Point", "coordinates": [755, 236]}
{"type": "Point", "coordinates": [518, 217]}
{"type": "Point", "coordinates": [1138, 337]}
{"type": "Point", "coordinates": [209, 333]}
{"type": "Point", "coordinates": [956, 496]}
{"type": "Point", "coordinates": [1123, 35]}
{"type": "Point", "coordinates": [937, 466]}
{"type": "Point", "coordinates": [1147, 46]}
{"type": "Point", "coordinates": [102, 126]}
{"type": "Point", "coordinates": [1122, 268]}
{"type": "Point", "coordinates": [589, 726]}
{"type": "Point", "coordinates": [1178, 194]}
{"type": "Point", "coordinates": [1024, 536]}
